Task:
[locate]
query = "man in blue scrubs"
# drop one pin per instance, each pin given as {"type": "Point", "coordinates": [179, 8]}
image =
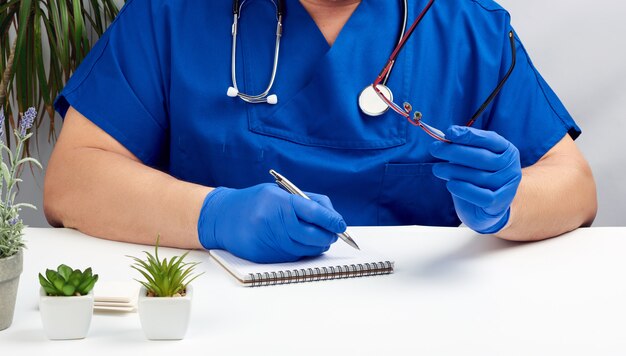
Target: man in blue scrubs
{"type": "Point", "coordinates": [151, 143]}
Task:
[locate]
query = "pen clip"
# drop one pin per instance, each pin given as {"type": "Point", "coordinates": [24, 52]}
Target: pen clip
{"type": "Point", "coordinates": [287, 185]}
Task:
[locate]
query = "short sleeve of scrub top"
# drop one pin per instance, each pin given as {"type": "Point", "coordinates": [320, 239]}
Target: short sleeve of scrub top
{"type": "Point", "coordinates": [121, 84]}
{"type": "Point", "coordinates": [527, 111]}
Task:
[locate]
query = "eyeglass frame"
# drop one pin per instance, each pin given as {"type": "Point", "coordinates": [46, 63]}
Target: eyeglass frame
{"type": "Point", "coordinates": [405, 111]}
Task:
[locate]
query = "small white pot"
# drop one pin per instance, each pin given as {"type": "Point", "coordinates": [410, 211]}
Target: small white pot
{"type": "Point", "coordinates": [164, 318]}
{"type": "Point", "coordinates": [65, 317]}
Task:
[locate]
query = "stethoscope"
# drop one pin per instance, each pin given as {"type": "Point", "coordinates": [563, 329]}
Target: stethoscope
{"type": "Point", "coordinates": [376, 98]}
{"type": "Point", "coordinates": [369, 101]}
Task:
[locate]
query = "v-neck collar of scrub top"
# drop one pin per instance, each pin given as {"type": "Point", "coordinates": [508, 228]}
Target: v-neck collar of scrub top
{"type": "Point", "coordinates": [318, 84]}
{"type": "Point", "coordinates": [303, 13]}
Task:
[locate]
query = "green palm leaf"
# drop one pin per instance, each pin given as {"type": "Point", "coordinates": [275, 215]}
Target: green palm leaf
{"type": "Point", "coordinates": [36, 76]}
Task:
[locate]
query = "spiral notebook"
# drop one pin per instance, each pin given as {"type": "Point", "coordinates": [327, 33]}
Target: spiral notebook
{"type": "Point", "coordinates": [341, 261]}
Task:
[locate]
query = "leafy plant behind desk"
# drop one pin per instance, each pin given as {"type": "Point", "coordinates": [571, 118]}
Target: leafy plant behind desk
{"type": "Point", "coordinates": [30, 75]}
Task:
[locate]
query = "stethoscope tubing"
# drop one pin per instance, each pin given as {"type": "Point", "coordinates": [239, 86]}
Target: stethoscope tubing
{"type": "Point", "coordinates": [264, 97]}
{"type": "Point", "coordinates": [405, 19]}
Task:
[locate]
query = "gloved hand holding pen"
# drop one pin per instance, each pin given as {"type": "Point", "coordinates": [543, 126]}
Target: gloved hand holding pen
{"type": "Point", "coordinates": [483, 172]}
{"type": "Point", "coordinates": [266, 224]}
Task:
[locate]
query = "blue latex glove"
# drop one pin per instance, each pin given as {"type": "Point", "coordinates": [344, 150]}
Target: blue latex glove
{"type": "Point", "coordinates": [265, 224]}
{"type": "Point", "coordinates": [483, 172]}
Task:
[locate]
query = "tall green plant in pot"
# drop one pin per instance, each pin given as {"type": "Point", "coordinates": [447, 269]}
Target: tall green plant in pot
{"type": "Point", "coordinates": [11, 226]}
{"type": "Point", "coordinates": [41, 45]}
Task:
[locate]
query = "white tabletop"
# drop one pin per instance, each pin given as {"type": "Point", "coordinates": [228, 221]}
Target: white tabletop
{"type": "Point", "coordinates": [453, 293]}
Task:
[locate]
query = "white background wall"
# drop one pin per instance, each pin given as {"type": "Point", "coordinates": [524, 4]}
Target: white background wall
{"type": "Point", "coordinates": [579, 47]}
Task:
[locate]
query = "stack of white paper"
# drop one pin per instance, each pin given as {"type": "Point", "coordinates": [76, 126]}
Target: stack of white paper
{"type": "Point", "coordinates": [116, 296]}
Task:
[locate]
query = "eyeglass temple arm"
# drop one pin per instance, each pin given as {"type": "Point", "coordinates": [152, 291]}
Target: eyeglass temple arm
{"type": "Point", "coordinates": [401, 44]}
{"type": "Point", "coordinates": [495, 92]}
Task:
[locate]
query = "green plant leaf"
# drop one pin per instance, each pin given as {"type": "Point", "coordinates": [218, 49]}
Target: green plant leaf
{"type": "Point", "coordinates": [191, 280]}
{"type": "Point", "coordinates": [89, 286]}
{"type": "Point", "coordinates": [146, 276]}
{"type": "Point", "coordinates": [51, 291]}
{"type": "Point", "coordinates": [75, 278]}
{"type": "Point", "coordinates": [49, 288]}
{"type": "Point", "coordinates": [68, 289]}
{"type": "Point", "coordinates": [29, 159]}
{"type": "Point", "coordinates": [187, 273]}
{"type": "Point", "coordinates": [25, 205]}
{"type": "Point", "coordinates": [59, 284]}
{"type": "Point", "coordinates": [9, 154]}
{"type": "Point", "coordinates": [64, 30]}
{"type": "Point", "coordinates": [24, 16]}
{"type": "Point", "coordinates": [38, 56]}
{"type": "Point", "coordinates": [65, 272]}
{"type": "Point", "coordinates": [5, 172]}
{"type": "Point", "coordinates": [52, 275]}
{"type": "Point", "coordinates": [146, 285]}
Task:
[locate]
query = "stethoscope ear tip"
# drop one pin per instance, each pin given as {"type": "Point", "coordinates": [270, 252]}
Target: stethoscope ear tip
{"type": "Point", "coordinates": [232, 92]}
{"type": "Point", "coordinates": [272, 99]}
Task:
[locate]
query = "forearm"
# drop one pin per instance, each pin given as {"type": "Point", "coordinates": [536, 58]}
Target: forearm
{"type": "Point", "coordinates": [556, 195]}
{"type": "Point", "coordinates": [108, 195]}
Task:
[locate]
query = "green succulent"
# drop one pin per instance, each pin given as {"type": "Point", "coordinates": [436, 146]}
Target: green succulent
{"type": "Point", "coordinates": [67, 282]}
{"type": "Point", "coordinates": [163, 278]}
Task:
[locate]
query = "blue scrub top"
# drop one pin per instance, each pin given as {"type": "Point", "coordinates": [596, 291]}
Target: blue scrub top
{"type": "Point", "coordinates": [156, 81]}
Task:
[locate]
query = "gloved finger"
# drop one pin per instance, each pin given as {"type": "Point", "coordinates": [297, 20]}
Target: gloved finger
{"type": "Point", "coordinates": [316, 214]}
{"type": "Point", "coordinates": [484, 179]}
{"type": "Point", "coordinates": [293, 247]}
{"type": "Point", "coordinates": [321, 199]}
{"type": "Point", "coordinates": [468, 156]}
{"type": "Point", "coordinates": [311, 235]}
{"type": "Point", "coordinates": [480, 197]}
{"type": "Point", "coordinates": [478, 138]}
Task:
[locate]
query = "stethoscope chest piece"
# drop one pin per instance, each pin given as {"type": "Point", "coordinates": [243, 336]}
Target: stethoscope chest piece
{"type": "Point", "coordinates": [371, 104]}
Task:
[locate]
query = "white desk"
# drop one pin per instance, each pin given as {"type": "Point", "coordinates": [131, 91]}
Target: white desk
{"type": "Point", "coordinates": [453, 293]}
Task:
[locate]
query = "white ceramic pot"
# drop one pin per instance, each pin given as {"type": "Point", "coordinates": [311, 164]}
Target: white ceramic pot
{"type": "Point", "coordinates": [65, 317]}
{"type": "Point", "coordinates": [164, 318]}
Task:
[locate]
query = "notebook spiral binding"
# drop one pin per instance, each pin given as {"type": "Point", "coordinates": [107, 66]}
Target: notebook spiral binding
{"type": "Point", "coordinates": [319, 274]}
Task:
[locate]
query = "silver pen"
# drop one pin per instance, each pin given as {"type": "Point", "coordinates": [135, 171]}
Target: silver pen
{"type": "Point", "coordinates": [291, 188]}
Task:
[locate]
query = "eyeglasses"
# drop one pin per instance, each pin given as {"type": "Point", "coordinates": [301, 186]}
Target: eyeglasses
{"type": "Point", "coordinates": [415, 118]}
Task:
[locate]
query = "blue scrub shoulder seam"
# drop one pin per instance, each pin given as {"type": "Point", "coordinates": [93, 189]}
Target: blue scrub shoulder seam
{"type": "Point", "coordinates": [490, 6]}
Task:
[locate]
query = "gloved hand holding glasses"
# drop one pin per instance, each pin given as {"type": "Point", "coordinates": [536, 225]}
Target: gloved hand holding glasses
{"type": "Point", "coordinates": [483, 172]}
{"type": "Point", "coordinates": [265, 224]}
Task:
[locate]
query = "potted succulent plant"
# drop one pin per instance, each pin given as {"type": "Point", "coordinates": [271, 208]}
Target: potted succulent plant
{"type": "Point", "coordinates": [165, 296]}
{"type": "Point", "coordinates": [66, 302]}
{"type": "Point", "coordinates": [11, 226]}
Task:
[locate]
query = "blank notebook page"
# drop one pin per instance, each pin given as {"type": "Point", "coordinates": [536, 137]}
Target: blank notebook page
{"type": "Point", "coordinates": [341, 261]}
